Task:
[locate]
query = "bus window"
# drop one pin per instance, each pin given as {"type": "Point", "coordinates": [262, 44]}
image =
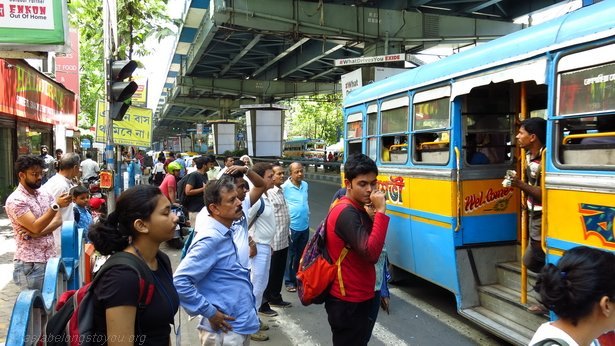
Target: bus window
{"type": "Point", "coordinates": [353, 147]}
{"type": "Point", "coordinates": [372, 131]}
{"type": "Point", "coordinates": [587, 141]}
{"type": "Point", "coordinates": [431, 136]}
{"type": "Point", "coordinates": [488, 138]}
{"type": "Point", "coordinates": [586, 137]}
{"type": "Point", "coordinates": [394, 131]}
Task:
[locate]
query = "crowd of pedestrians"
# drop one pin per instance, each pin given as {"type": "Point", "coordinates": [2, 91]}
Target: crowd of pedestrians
{"type": "Point", "coordinates": [251, 226]}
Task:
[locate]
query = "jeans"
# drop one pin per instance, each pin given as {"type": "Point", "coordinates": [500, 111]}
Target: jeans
{"type": "Point", "coordinates": [298, 241]}
{"type": "Point", "coordinates": [29, 275]}
{"type": "Point", "coordinates": [259, 274]}
{"type": "Point", "coordinates": [273, 292]}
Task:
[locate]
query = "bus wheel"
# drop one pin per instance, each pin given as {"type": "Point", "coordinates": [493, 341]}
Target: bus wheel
{"type": "Point", "coordinates": [398, 275]}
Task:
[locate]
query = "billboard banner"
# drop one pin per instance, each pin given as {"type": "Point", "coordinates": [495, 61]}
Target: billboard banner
{"type": "Point", "coordinates": [139, 98]}
{"type": "Point", "coordinates": [33, 22]}
{"type": "Point", "coordinates": [135, 129]}
{"type": "Point", "coordinates": [26, 93]}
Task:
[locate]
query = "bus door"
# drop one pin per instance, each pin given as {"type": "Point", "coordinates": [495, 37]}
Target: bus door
{"type": "Point", "coordinates": [489, 208]}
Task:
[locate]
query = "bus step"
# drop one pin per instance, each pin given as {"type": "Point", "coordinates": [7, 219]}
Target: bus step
{"type": "Point", "coordinates": [506, 302]}
{"type": "Point", "coordinates": [509, 275]}
{"type": "Point", "coordinates": [499, 325]}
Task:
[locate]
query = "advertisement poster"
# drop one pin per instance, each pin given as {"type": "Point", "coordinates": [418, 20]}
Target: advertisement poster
{"type": "Point", "coordinates": [32, 22]}
{"type": "Point", "coordinates": [135, 129]}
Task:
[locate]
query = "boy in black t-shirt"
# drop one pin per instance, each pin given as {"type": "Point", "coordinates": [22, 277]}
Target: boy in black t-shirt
{"type": "Point", "coordinates": [195, 186]}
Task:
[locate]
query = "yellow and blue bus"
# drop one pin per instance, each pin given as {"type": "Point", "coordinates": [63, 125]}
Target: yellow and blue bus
{"type": "Point", "coordinates": [443, 136]}
{"type": "Point", "coordinates": [304, 149]}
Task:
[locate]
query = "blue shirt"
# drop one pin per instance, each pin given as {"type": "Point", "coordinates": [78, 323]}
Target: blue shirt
{"type": "Point", "coordinates": [85, 219]}
{"type": "Point", "coordinates": [210, 278]}
{"type": "Point", "coordinates": [298, 208]}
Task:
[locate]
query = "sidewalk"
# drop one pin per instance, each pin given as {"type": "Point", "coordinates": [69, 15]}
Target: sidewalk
{"type": "Point", "coordinates": [8, 290]}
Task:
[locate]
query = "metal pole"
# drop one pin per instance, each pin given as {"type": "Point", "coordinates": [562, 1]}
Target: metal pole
{"type": "Point", "coordinates": [107, 62]}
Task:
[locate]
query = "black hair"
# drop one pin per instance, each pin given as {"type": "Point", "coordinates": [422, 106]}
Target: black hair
{"type": "Point", "coordinates": [200, 162]}
{"type": "Point", "coordinates": [262, 167]}
{"type": "Point", "coordinates": [579, 280]}
{"type": "Point", "coordinates": [213, 191]}
{"type": "Point", "coordinates": [79, 190]}
{"type": "Point", "coordinates": [235, 175]}
{"type": "Point", "coordinates": [113, 233]}
{"type": "Point", "coordinates": [536, 126]}
{"type": "Point", "coordinates": [88, 155]}
{"type": "Point", "coordinates": [238, 162]}
{"type": "Point", "coordinates": [69, 161]}
{"type": "Point", "coordinates": [25, 162]}
{"type": "Point", "coordinates": [358, 164]}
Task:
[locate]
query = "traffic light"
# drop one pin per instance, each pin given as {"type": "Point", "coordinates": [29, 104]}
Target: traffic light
{"type": "Point", "coordinates": [121, 91]}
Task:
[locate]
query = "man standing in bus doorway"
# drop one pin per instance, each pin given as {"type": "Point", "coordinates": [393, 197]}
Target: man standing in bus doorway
{"type": "Point", "coordinates": [349, 226]}
{"type": "Point", "coordinates": [532, 137]}
{"type": "Point", "coordinates": [296, 195]}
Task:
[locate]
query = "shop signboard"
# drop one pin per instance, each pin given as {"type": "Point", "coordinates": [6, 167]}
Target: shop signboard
{"type": "Point", "coordinates": [33, 23]}
{"type": "Point", "coordinates": [135, 129]}
{"type": "Point", "coordinates": [26, 93]}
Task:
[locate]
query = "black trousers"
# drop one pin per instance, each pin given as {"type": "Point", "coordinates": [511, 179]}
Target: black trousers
{"type": "Point", "coordinates": [350, 323]}
{"type": "Point", "coordinates": [276, 277]}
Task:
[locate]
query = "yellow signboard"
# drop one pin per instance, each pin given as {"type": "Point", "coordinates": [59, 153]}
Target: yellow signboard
{"type": "Point", "coordinates": [135, 129]}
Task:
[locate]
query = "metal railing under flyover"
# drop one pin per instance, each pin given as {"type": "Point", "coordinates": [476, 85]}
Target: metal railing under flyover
{"type": "Point", "coordinates": [33, 308]}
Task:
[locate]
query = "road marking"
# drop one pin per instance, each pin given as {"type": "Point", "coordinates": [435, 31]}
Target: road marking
{"type": "Point", "coordinates": [462, 328]}
{"type": "Point", "coordinates": [387, 338]}
{"type": "Point", "coordinates": [296, 334]}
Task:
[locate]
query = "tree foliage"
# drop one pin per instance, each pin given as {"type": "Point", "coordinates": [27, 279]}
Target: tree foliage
{"type": "Point", "coordinates": [318, 116]}
{"type": "Point", "coordinates": [138, 21]}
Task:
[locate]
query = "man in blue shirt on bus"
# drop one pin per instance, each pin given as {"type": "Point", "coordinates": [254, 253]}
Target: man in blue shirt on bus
{"type": "Point", "coordinates": [296, 195]}
{"type": "Point", "coordinates": [211, 281]}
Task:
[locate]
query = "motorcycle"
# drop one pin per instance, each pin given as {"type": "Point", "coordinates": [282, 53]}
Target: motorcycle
{"type": "Point", "coordinates": [181, 229]}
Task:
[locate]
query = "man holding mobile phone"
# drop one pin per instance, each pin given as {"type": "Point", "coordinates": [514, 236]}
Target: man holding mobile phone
{"type": "Point", "coordinates": [59, 186]}
{"type": "Point", "coordinates": [34, 215]}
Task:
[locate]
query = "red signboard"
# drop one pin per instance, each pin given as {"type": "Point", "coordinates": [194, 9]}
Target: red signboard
{"type": "Point", "coordinates": [25, 93]}
{"type": "Point", "coordinates": [67, 66]}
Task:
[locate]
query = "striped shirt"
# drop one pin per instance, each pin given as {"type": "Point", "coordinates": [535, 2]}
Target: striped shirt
{"type": "Point", "coordinates": [282, 218]}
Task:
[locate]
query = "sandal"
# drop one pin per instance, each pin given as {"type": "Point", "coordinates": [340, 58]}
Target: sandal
{"type": "Point", "coordinates": [537, 310]}
{"type": "Point", "coordinates": [291, 289]}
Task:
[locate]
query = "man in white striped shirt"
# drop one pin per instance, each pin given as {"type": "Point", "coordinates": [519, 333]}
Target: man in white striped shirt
{"type": "Point", "coordinates": [273, 295]}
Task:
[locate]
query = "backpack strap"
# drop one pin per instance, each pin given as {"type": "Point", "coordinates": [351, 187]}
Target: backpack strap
{"type": "Point", "coordinates": [551, 342]}
{"type": "Point", "coordinates": [345, 250]}
{"type": "Point", "coordinates": [260, 210]}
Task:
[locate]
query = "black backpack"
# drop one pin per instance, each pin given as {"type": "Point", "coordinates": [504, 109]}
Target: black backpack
{"type": "Point", "coordinates": [74, 317]}
{"type": "Point", "coordinates": [181, 189]}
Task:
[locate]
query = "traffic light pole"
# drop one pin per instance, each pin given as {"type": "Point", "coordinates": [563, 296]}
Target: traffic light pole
{"type": "Point", "coordinates": [109, 124]}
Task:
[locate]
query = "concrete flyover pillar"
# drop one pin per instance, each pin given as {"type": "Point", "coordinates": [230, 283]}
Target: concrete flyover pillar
{"type": "Point", "coordinates": [224, 135]}
{"type": "Point", "coordinates": [265, 127]}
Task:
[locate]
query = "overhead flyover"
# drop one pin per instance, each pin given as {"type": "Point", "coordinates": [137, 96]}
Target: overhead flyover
{"type": "Point", "coordinates": [236, 52]}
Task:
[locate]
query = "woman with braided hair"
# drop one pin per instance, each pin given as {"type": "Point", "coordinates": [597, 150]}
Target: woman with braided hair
{"type": "Point", "coordinates": [580, 290]}
{"type": "Point", "coordinates": [135, 230]}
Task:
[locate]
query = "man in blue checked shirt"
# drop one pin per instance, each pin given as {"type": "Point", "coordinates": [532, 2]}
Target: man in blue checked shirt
{"type": "Point", "coordinates": [210, 280]}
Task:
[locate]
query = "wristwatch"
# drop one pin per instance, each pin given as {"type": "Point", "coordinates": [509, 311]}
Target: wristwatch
{"type": "Point", "coordinates": [55, 206]}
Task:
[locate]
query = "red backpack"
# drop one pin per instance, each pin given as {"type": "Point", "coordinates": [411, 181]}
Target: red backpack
{"type": "Point", "coordinates": [317, 271]}
{"type": "Point", "coordinates": [73, 322]}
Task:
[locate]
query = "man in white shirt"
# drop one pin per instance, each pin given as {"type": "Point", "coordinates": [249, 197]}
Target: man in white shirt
{"type": "Point", "coordinates": [60, 184]}
{"type": "Point", "coordinates": [89, 168]}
